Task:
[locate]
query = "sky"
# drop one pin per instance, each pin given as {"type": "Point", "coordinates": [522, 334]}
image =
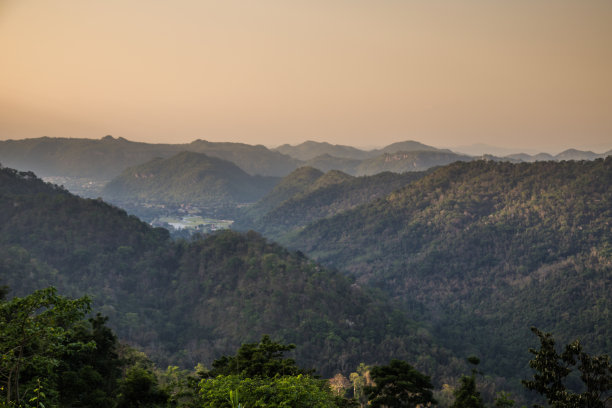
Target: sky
{"type": "Point", "coordinates": [528, 74]}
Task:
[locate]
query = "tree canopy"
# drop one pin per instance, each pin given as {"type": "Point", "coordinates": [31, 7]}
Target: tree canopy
{"type": "Point", "coordinates": [398, 384]}
{"type": "Point", "coordinates": [263, 359]}
{"type": "Point", "coordinates": [556, 374]}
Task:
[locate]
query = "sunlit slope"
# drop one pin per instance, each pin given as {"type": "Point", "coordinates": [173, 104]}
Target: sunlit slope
{"type": "Point", "coordinates": [323, 196]}
{"type": "Point", "coordinates": [486, 250]}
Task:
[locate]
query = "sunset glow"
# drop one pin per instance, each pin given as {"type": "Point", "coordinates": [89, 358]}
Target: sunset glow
{"type": "Point", "coordinates": [532, 74]}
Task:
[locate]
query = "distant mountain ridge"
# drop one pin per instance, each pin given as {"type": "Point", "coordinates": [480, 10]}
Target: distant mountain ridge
{"type": "Point", "coordinates": [107, 157]}
{"type": "Point", "coordinates": [309, 150]}
{"type": "Point", "coordinates": [406, 156]}
{"type": "Point", "coordinates": [104, 159]}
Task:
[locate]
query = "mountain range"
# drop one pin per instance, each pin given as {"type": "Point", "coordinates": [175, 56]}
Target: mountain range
{"type": "Point", "coordinates": [106, 158]}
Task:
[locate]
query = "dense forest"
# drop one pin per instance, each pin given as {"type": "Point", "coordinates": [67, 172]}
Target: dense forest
{"type": "Point", "coordinates": [307, 195]}
{"type": "Point", "coordinates": [484, 250]}
{"type": "Point", "coordinates": [54, 356]}
{"type": "Point", "coordinates": [460, 260]}
{"type": "Point", "coordinates": [185, 302]}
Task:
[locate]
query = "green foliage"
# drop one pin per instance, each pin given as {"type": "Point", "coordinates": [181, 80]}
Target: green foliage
{"type": "Point", "coordinates": [299, 391]}
{"type": "Point", "coordinates": [467, 396]}
{"type": "Point", "coordinates": [504, 400]}
{"type": "Point", "coordinates": [263, 359]}
{"type": "Point", "coordinates": [477, 250]}
{"type": "Point", "coordinates": [360, 379]}
{"type": "Point", "coordinates": [35, 333]}
{"type": "Point", "coordinates": [181, 386]}
{"type": "Point", "coordinates": [139, 388]}
{"type": "Point", "coordinates": [398, 384]}
{"type": "Point", "coordinates": [234, 400]}
{"type": "Point", "coordinates": [307, 195]}
{"type": "Point", "coordinates": [554, 372]}
{"type": "Point", "coordinates": [89, 377]}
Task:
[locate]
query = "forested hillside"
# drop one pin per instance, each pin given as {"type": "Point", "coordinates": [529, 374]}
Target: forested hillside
{"type": "Point", "coordinates": [188, 302]}
{"type": "Point", "coordinates": [485, 250]}
{"type": "Point", "coordinates": [294, 204]}
{"type": "Point", "coordinates": [188, 178]}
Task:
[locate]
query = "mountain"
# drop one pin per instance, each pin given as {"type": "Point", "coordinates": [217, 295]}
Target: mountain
{"type": "Point", "coordinates": [324, 196]}
{"type": "Point", "coordinates": [484, 250]}
{"type": "Point", "coordinates": [187, 302]}
{"type": "Point", "coordinates": [573, 154]}
{"type": "Point", "coordinates": [543, 157]}
{"type": "Point", "coordinates": [309, 150]}
{"type": "Point", "coordinates": [403, 161]}
{"type": "Point", "coordinates": [106, 158]}
{"type": "Point", "coordinates": [408, 146]}
{"type": "Point", "coordinates": [295, 183]}
{"type": "Point", "coordinates": [188, 178]}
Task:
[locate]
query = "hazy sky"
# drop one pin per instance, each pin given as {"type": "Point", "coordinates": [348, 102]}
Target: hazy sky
{"type": "Point", "coordinates": [529, 73]}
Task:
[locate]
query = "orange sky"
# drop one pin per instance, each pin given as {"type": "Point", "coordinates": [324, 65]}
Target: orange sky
{"type": "Point", "coordinates": [523, 73]}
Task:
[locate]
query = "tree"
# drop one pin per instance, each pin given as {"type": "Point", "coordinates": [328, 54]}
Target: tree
{"type": "Point", "coordinates": [504, 400]}
{"type": "Point", "coordinates": [139, 388]}
{"type": "Point", "coordinates": [34, 333]}
{"type": "Point", "coordinates": [89, 377]}
{"type": "Point", "coordinates": [467, 395]}
{"type": "Point", "coordinates": [181, 386]}
{"type": "Point", "coordinates": [360, 379]}
{"type": "Point", "coordinates": [339, 384]}
{"type": "Point", "coordinates": [399, 385]}
{"type": "Point", "coordinates": [263, 359]}
{"type": "Point", "coordinates": [555, 372]}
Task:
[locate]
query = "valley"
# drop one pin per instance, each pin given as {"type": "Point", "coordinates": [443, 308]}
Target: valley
{"type": "Point", "coordinates": [428, 266]}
